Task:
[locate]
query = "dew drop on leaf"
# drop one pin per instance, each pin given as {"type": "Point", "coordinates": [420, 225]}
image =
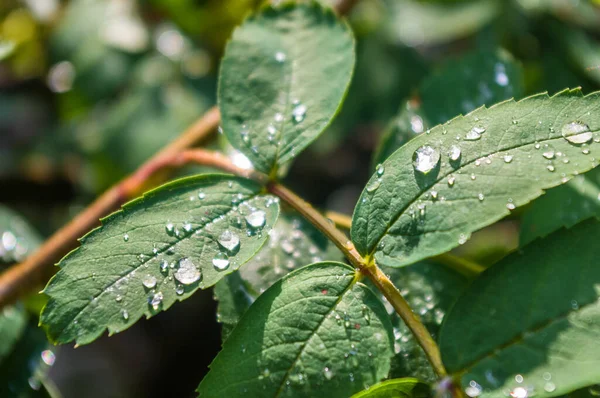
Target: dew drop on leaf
{"type": "Point", "coordinates": [328, 373]}
{"type": "Point", "coordinates": [187, 273]}
{"type": "Point", "coordinates": [508, 158]}
{"type": "Point", "coordinates": [149, 281]}
{"type": "Point", "coordinates": [170, 228]}
{"type": "Point", "coordinates": [577, 133]}
{"type": "Point", "coordinates": [125, 314]}
{"type": "Point", "coordinates": [548, 154]}
{"type": "Point", "coordinates": [179, 290]}
{"type": "Point", "coordinates": [380, 169]}
{"type": "Point", "coordinates": [256, 219]}
{"type": "Point", "coordinates": [550, 167]}
{"type": "Point", "coordinates": [126, 237]}
{"type": "Point", "coordinates": [221, 261]}
{"type": "Point", "coordinates": [201, 195]}
{"type": "Point", "coordinates": [451, 180]}
{"type": "Point", "coordinates": [425, 159]}
{"type": "Point", "coordinates": [475, 133]}
{"type": "Point", "coordinates": [372, 187]}
{"type": "Point", "coordinates": [299, 113]}
{"type": "Point", "coordinates": [164, 265]}
{"type": "Point", "coordinates": [280, 56]}
{"type": "Point", "coordinates": [156, 300]}
{"type": "Point", "coordinates": [229, 241]}
{"type": "Point", "coordinates": [454, 153]}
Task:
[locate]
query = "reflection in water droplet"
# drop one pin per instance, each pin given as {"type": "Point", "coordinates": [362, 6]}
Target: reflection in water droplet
{"type": "Point", "coordinates": [221, 261]}
{"type": "Point", "coordinates": [187, 273]}
{"type": "Point", "coordinates": [576, 133]}
{"type": "Point", "coordinates": [425, 159]}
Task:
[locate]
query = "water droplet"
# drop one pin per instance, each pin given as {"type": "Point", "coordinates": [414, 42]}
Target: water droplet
{"type": "Point", "coordinates": [187, 273]}
{"type": "Point", "coordinates": [299, 113]}
{"type": "Point", "coordinates": [179, 290]}
{"type": "Point", "coordinates": [149, 281]}
{"type": "Point", "coordinates": [48, 357]}
{"type": "Point", "coordinates": [229, 241]}
{"type": "Point", "coordinates": [256, 219]}
{"type": "Point", "coordinates": [380, 169]}
{"type": "Point", "coordinates": [156, 300]}
{"type": "Point", "coordinates": [550, 167]}
{"type": "Point", "coordinates": [577, 133]}
{"type": "Point", "coordinates": [221, 261]}
{"type": "Point", "coordinates": [474, 389]}
{"type": "Point", "coordinates": [510, 206]}
{"type": "Point", "coordinates": [426, 159]}
{"type": "Point", "coordinates": [201, 195]}
{"type": "Point", "coordinates": [327, 373]}
{"type": "Point", "coordinates": [585, 151]}
{"type": "Point", "coordinates": [164, 265]}
{"type": "Point", "coordinates": [462, 239]}
{"type": "Point", "coordinates": [473, 176]}
{"type": "Point", "coordinates": [126, 238]}
{"type": "Point", "coordinates": [170, 228]}
{"type": "Point", "coordinates": [280, 56]}
{"type": "Point", "coordinates": [480, 197]}
{"type": "Point", "coordinates": [475, 133]}
{"type": "Point", "coordinates": [434, 195]}
{"type": "Point", "coordinates": [519, 392]}
{"type": "Point", "coordinates": [372, 187]}
{"type": "Point", "coordinates": [508, 158]}
{"type": "Point", "coordinates": [574, 305]}
{"type": "Point", "coordinates": [548, 154]}
{"type": "Point", "coordinates": [454, 153]}
{"type": "Point", "coordinates": [125, 314]}
{"type": "Point", "coordinates": [451, 180]}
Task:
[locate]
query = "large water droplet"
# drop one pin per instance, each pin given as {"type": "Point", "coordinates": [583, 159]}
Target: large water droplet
{"type": "Point", "coordinates": [425, 159]}
{"type": "Point", "coordinates": [221, 261]}
{"type": "Point", "coordinates": [229, 241]}
{"type": "Point", "coordinates": [256, 219]}
{"type": "Point", "coordinates": [372, 187]}
{"type": "Point", "coordinates": [299, 113]}
{"type": "Point", "coordinates": [577, 133]}
{"type": "Point", "coordinates": [187, 273]}
{"type": "Point", "coordinates": [149, 281]}
{"type": "Point", "coordinates": [454, 153]}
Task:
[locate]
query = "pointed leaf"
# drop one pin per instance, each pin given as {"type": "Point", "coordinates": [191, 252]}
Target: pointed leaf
{"type": "Point", "coordinates": [315, 332]}
{"type": "Point", "coordinates": [546, 320]}
{"type": "Point", "coordinates": [283, 77]}
{"type": "Point", "coordinates": [160, 248]}
{"type": "Point", "coordinates": [293, 242]}
{"type": "Point", "coordinates": [17, 238]}
{"type": "Point", "coordinates": [422, 203]}
{"type": "Point", "coordinates": [397, 388]}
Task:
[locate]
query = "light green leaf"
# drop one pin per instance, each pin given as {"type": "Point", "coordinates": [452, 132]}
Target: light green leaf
{"type": "Point", "coordinates": [17, 238]}
{"type": "Point", "coordinates": [160, 248]}
{"type": "Point", "coordinates": [546, 320]}
{"type": "Point", "coordinates": [415, 23]}
{"type": "Point", "coordinates": [292, 243]}
{"type": "Point", "coordinates": [481, 77]}
{"type": "Point", "coordinates": [509, 153]}
{"type": "Point", "coordinates": [563, 206]}
{"type": "Point", "coordinates": [396, 388]}
{"type": "Point", "coordinates": [283, 77]}
{"type": "Point", "coordinates": [315, 332]}
{"type": "Point", "coordinates": [13, 320]}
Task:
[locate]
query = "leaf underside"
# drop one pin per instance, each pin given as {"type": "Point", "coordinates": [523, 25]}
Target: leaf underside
{"type": "Point", "coordinates": [277, 92]}
{"type": "Point", "coordinates": [156, 250]}
{"type": "Point", "coordinates": [315, 332]}
{"type": "Point", "coordinates": [405, 215]}
{"type": "Point", "coordinates": [546, 319]}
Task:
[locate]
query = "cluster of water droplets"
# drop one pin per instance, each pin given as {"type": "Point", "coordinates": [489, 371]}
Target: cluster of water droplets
{"type": "Point", "coordinates": [13, 247]}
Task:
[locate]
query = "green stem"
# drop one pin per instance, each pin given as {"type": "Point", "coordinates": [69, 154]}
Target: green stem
{"type": "Point", "coordinates": [370, 269]}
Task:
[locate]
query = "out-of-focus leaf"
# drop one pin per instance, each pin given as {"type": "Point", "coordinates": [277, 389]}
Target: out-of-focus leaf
{"type": "Point", "coordinates": [6, 49]}
{"type": "Point", "coordinates": [563, 206]}
{"type": "Point", "coordinates": [414, 23]}
{"type": "Point", "coordinates": [292, 243]}
{"type": "Point", "coordinates": [397, 388]}
{"type": "Point", "coordinates": [158, 249]}
{"type": "Point", "coordinates": [546, 310]}
{"type": "Point", "coordinates": [582, 49]}
{"type": "Point", "coordinates": [583, 13]}
{"type": "Point", "coordinates": [17, 238]}
{"type": "Point", "coordinates": [432, 193]}
{"type": "Point", "coordinates": [315, 332]}
{"type": "Point", "coordinates": [277, 92]}
{"type": "Point", "coordinates": [13, 320]}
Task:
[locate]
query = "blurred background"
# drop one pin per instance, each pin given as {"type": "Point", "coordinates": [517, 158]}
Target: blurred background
{"type": "Point", "coordinates": [89, 89]}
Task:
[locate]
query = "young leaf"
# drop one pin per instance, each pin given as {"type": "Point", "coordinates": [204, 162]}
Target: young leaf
{"type": "Point", "coordinates": [17, 237]}
{"type": "Point", "coordinates": [432, 193]}
{"type": "Point", "coordinates": [182, 236]}
{"type": "Point", "coordinates": [563, 206]}
{"type": "Point", "coordinates": [292, 243]}
{"type": "Point", "coordinates": [397, 388]}
{"type": "Point", "coordinates": [546, 320]}
{"type": "Point", "coordinates": [283, 77]}
{"type": "Point", "coordinates": [316, 331]}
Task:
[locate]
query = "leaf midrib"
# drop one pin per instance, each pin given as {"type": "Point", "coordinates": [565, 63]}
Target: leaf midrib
{"type": "Point", "coordinates": [412, 201]}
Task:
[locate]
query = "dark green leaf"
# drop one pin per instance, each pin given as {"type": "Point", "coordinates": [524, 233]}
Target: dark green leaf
{"type": "Point", "coordinates": [545, 309]}
{"type": "Point", "coordinates": [581, 48]}
{"type": "Point", "coordinates": [420, 203]}
{"type": "Point", "coordinates": [315, 332]}
{"type": "Point", "coordinates": [13, 320]}
{"type": "Point", "coordinates": [396, 388]}
{"type": "Point", "coordinates": [277, 90]}
{"type": "Point", "coordinates": [17, 238]}
{"type": "Point", "coordinates": [563, 206]}
{"type": "Point", "coordinates": [292, 243]}
{"type": "Point", "coordinates": [583, 13]}
{"type": "Point", "coordinates": [160, 248]}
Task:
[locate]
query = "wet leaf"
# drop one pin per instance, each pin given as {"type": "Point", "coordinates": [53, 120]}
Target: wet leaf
{"type": "Point", "coordinates": [160, 248]}
{"type": "Point", "coordinates": [396, 388]}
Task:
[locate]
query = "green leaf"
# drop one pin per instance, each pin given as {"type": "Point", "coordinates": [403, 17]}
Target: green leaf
{"type": "Point", "coordinates": [481, 77]}
{"type": "Point", "coordinates": [583, 13]}
{"type": "Point", "coordinates": [7, 48]}
{"type": "Point", "coordinates": [277, 90]}
{"type": "Point", "coordinates": [415, 23]}
{"type": "Point", "coordinates": [316, 331]}
{"type": "Point", "coordinates": [580, 47]}
{"type": "Point", "coordinates": [292, 243]}
{"type": "Point", "coordinates": [396, 388]}
{"type": "Point", "coordinates": [158, 249]}
{"type": "Point", "coordinates": [17, 238]}
{"type": "Point", "coordinates": [13, 320]}
{"type": "Point", "coordinates": [546, 310]}
{"type": "Point", "coordinates": [509, 154]}
{"type": "Point", "coordinates": [563, 206]}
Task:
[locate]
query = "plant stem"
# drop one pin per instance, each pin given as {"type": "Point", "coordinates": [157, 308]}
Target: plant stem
{"type": "Point", "coordinates": [377, 276]}
{"type": "Point", "coordinates": [37, 268]}
{"type": "Point", "coordinates": [341, 220]}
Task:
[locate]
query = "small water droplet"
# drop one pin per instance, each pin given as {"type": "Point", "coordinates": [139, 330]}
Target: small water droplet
{"type": "Point", "coordinates": [380, 169]}
{"type": "Point", "coordinates": [508, 158]}
{"type": "Point", "coordinates": [327, 373]}
{"type": "Point", "coordinates": [280, 56]}
{"type": "Point", "coordinates": [574, 304]}
{"type": "Point", "coordinates": [451, 180]}
{"type": "Point", "coordinates": [454, 153]}
{"type": "Point", "coordinates": [577, 133]}
{"type": "Point", "coordinates": [187, 273]}
{"type": "Point", "coordinates": [550, 167]}
{"type": "Point", "coordinates": [256, 219]}
{"type": "Point", "coordinates": [164, 265]}
{"type": "Point", "coordinates": [548, 154]}
{"type": "Point", "coordinates": [585, 151]}
{"type": "Point", "coordinates": [149, 282]}
{"type": "Point", "coordinates": [48, 357]}
{"type": "Point", "coordinates": [434, 195]}
{"type": "Point", "coordinates": [480, 197]}
{"type": "Point", "coordinates": [510, 206]}
{"type": "Point", "coordinates": [475, 133]}
{"type": "Point", "coordinates": [299, 113]}
{"type": "Point", "coordinates": [126, 238]}
{"type": "Point", "coordinates": [425, 159]}
{"type": "Point", "coordinates": [474, 389]}
{"type": "Point", "coordinates": [549, 387]}
{"type": "Point", "coordinates": [179, 290]}
{"type": "Point", "coordinates": [519, 392]}
{"type": "Point", "coordinates": [170, 228]}
{"type": "Point", "coordinates": [125, 314]}
{"type": "Point", "coordinates": [519, 378]}
{"type": "Point", "coordinates": [156, 300]}
{"type": "Point", "coordinates": [229, 241]}
{"type": "Point", "coordinates": [221, 261]}
{"type": "Point", "coordinates": [201, 195]}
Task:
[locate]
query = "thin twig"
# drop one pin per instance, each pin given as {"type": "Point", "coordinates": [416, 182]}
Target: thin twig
{"type": "Point", "coordinates": [37, 268]}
